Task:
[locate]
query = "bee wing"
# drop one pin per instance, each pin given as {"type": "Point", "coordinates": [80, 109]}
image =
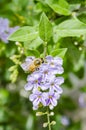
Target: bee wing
{"type": "Point", "coordinates": [28, 61]}
{"type": "Point", "coordinates": [29, 58]}
{"type": "Point", "coordinates": [25, 66]}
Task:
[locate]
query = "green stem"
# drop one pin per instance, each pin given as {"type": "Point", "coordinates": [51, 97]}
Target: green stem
{"type": "Point", "coordinates": [48, 115]}
{"type": "Point", "coordinates": [48, 118]}
{"type": "Point", "coordinates": [45, 49]}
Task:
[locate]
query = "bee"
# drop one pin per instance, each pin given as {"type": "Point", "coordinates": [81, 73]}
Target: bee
{"type": "Point", "coordinates": [31, 64]}
{"type": "Point", "coordinates": [35, 64]}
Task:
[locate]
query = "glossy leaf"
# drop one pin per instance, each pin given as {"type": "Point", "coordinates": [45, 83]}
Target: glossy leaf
{"type": "Point", "coordinates": [69, 28]}
{"type": "Point", "coordinates": [59, 6]}
{"type": "Point", "coordinates": [24, 34]}
{"type": "Point", "coordinates": [32, 52]}
{"type": "Point", "coordinates": [59, 52]}
{"type": "Point", "coordinates": [73, 52]}
{"type": "Point", "coordinates": [82, 17]}
{"type": "Point", "coordinates": [45, 28]}
{"type": "Point", "coordinates": [4, 96]}
{"type": "Point", "coordinates": [33, 44]}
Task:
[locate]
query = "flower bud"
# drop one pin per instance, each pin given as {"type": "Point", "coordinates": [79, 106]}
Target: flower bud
{"type": "Point", "coordinates": [51, 113]}
{"type": "Point", "coordinates": [53, 122]}
{"type": "Point", "coordinates": [45, 124]}
{"type": "Point", "coordinates": [12, 68]}
{"type": "Point", "coordinates": [39, 113]}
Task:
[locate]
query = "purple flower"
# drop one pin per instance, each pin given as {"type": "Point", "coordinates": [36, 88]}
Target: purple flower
{"type": "Point", "coordinates": [34, 81]}
{"type": "Point", "coordinates": [54, 83]}
{"type": "Point", "coordinates": [4, 37]}
{"type": "Point", "coordinates": [38, 98]}
{"type": "Point", "coordinates": [12, 29]}
{"type": "Point", "coordinates": [82, 100]}
{"type": "Point", "coordinates": [55, 64]}
{"type": "Point", "coordinates": [53, 61]}
{"type": "Point", "coordinates": [43, 82]}
{"type": "Point", "coordinates": [51, 99]}
{"type": "Point", "coordinates": [5, 30]}
{"type": "Point", "coordinates": [4, 25]}
{"type": "Point", "coordinates": [65, 120]}
{"type": "Point", "coordinates": [46, 70]}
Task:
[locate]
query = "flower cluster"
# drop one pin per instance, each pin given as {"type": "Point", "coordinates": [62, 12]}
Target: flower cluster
{"type": "Point", "coordinates": [5, 30]}
{"type": "Point", "coordinates": [43, 83]}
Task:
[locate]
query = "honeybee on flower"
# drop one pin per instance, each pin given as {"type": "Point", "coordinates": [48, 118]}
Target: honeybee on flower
{"type": "Point", "coordinates": [42, 81]}
{"type": "Point", "coordinates": [31, 64]}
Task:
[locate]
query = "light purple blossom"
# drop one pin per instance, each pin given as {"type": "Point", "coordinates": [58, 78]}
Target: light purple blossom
{"type": "Point", "coordinates": [4, 37]}
{"type": "Point", "coordinates": [53, 61]}
{"type": "Point", "coordinates": [5, 30]}
{"type": "Point", "coordinates": [54, 84]}
{"type": "Point", "coordinates": [55, 64]}
{"type": "Point", "coordinates": [34, 81]}
{"type": "Point", "coordinates": [82, 100]}
{"type": "Point", "coordinates": [37, 98]}
{"type": "Point", "coordinates": [65, 120]}
{"type": "Point", "coordinates": [4, 25]}
{"type": "Point", "coordinates": [51, 99]}
{"type": "Point", "coordinates": [47, 70]}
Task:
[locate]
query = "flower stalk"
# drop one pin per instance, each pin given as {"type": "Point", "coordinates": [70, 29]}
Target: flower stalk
{"type": "Point", "coordinates": [44, 84]}
{"type": "Point", "coordinates": [48, 118]}
{"type": "Point", "coordinates": [45, 49]}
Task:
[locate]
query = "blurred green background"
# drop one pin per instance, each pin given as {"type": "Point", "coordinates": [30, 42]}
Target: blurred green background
{"type": "Point", "coordinates": [15, 109]}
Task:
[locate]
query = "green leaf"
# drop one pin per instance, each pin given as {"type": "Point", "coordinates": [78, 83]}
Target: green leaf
{"type": "Point", "coordinates": [82, 17]}
{"type": "Point", "coordinates": [58, 120]}
{"type": "Point", "coordinates": [73, 53]}
{"type": "Point", "coordinates": [59, 6]}
{"type": "Point", "coordinates": [4, 96]}
{"type": "Point", "coordinates": [59, 52]}
{"type": "Point", "coordinates": [75, 6]}
{"type": "Point", "coordinates": [24, 34]}
{"type": "Point", "coordinates": [45, 28]}
{"type": "Point", "coordinates": [34, 44]}
{"type": "Point", "coordinates": [69, 28]}
{"type": "Point", "coordinates": [32, 52]}
{"type": "Point", "coordinates": [4, 117]}
{"type": "Point", "coordinates": [80, 62]}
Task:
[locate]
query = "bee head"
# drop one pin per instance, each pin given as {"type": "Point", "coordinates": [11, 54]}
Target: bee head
{"type": "Point", "coordinates": [37, 61]}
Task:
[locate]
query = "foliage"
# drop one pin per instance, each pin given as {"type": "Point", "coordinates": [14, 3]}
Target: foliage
{"type": "Point", "coordinates": [61, 26]}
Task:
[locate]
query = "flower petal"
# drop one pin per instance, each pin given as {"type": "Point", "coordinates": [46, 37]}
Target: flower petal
{"type": "Point", "coordinates": [43, 101]}
{"type": "Point", "coordinates": [59, 80]}
{"type": "Point", "coordinates": [36, 102]}
{"type": "Point", "coordinates": [28, 86]}
{"type": "Point", "coordinates": [32, 97]}
{"type": "Point", "coordinates": [53, 101]}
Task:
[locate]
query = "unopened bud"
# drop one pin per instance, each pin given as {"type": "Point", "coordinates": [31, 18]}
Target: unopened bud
{"type": "Point", "coordinates": [51, 113]}
{"type": "Point", "coordinates": [76, 43]}
{"type": "Point", "coordinates": [17, 43]}
{"type": "Point", "coordinates": [51, 107]}
{"type": "Point", "coordinates": [80, 48]}
{"type": "Point", "coordinates": [53, 122]}
{"type": "Point", "coordinates": [22, 51]}
{"type": "Point", "coordinates": [15, 59]}
{"type": "Point", "coordinates": [45, 124]}
{"type": "Point", "coordinates": [39, 113]}
{"type": "Point", "coordinates": [12, 68]}
{"type": "Point", "coordinates": [14, 75]}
